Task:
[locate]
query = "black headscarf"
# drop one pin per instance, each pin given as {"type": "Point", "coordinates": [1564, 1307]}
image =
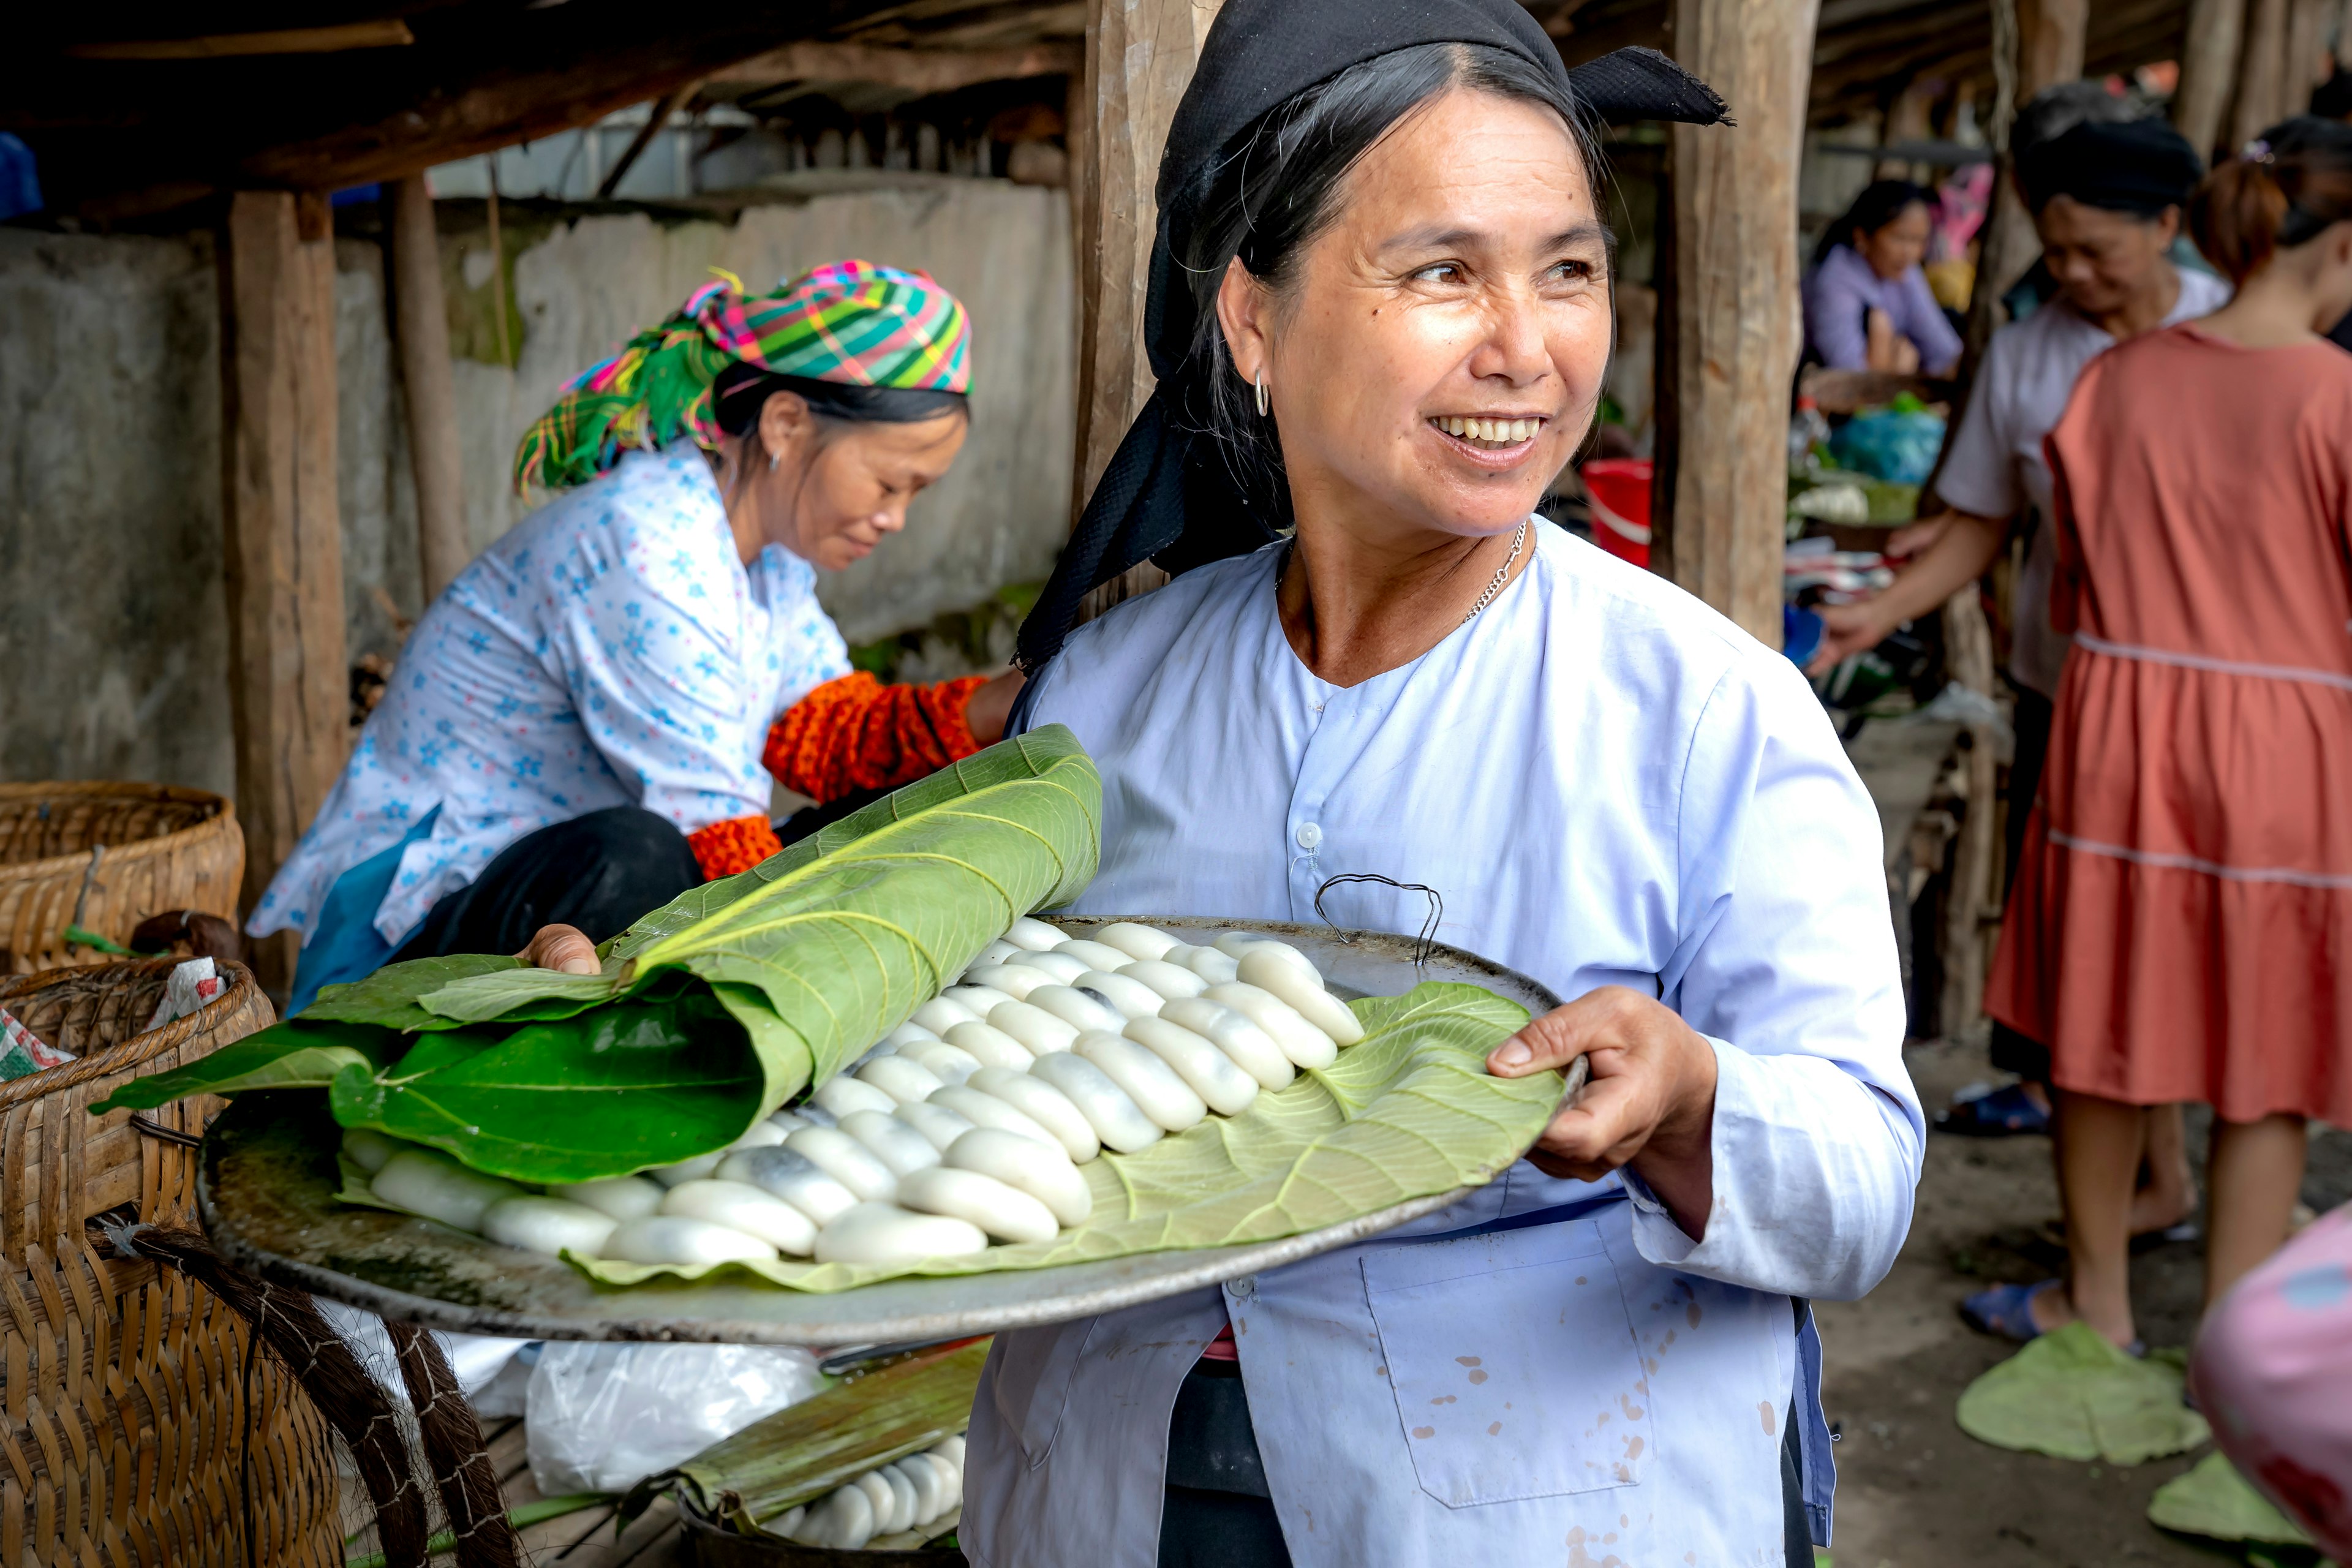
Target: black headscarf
{"type": "Point", "coordinates": [2137, 166]}
{"type": "Point", "coordinates": [1159, 500]}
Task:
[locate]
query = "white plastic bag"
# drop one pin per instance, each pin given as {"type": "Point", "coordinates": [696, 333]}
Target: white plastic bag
{"type": "Point", "coordinates": [193, 983]}
{"type": "Point", "coordinates": [602, 1418]}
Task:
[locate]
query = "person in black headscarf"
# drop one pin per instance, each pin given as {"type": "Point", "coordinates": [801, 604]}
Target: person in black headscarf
{"type": "Point", "coordinates": [1379, 313]}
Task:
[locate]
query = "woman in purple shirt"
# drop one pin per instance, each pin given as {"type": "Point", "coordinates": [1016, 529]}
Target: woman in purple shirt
{"type": "Point", "coordinates": [1867, 306]}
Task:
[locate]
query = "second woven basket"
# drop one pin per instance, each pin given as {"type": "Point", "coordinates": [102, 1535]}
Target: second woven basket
{"type": "Point", "coordinates": [104, 856]}
{"type": "Point", "coordinates": [135, 1425]}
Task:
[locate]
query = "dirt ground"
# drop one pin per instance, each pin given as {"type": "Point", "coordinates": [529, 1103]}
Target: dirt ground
{"type": "Point", "coordinates": [1914, 1491]}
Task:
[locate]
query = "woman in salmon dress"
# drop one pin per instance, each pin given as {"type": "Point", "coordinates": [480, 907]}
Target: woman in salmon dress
{"type": "Point", "coordinates": [2181, 922]}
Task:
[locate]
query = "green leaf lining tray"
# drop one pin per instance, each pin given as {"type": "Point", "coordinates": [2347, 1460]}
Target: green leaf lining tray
{"type": "Point", "coordinates": [1401, 1125]}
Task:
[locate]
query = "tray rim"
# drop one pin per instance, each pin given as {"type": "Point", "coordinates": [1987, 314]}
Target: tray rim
{"type": "Point", "coordinates": [1149, 1277]}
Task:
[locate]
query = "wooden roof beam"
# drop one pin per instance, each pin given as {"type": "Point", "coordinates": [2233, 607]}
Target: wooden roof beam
{"type": "Point", "coordinates": [189, 127]}
{"type": "Point", "coordinates": [919, 71]}
{"type": "Point", "coordinates": [388, 33]}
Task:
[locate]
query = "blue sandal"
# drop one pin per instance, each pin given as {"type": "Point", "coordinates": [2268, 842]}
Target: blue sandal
{"type": "Point", "coordinates": [2003, 1113]}
{"type": "Point", "coordinates": [2007, 1310]}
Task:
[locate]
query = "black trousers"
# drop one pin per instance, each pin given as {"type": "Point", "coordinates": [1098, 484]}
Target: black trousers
{"type": "Point", "coordinates": [601, 872]}
{"type": "Point", "coordinates": [1217, 1513]}
{"type": "Point", "coordinates": [2012, 1052]}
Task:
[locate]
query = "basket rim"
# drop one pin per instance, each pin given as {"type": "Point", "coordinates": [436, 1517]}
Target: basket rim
{"type": "Point", "coordinates": [75, 860]}
{"type": "Point", "coordinates": [121, 1054]}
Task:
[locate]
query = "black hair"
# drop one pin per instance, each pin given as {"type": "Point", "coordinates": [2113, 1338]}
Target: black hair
{"type": "Point", "coordinates": [1277, 188]}
{"type": "Point", "coordinates": [1880, 204]}
{"type": "Point", "coordinates": [742, 390]}
{"type": "Point", "coordinates": [2286, 189]}
{"type": "Point", "coordinates": [2054, 110]}
{"type": "Point", "coordinates": [2332, 99]}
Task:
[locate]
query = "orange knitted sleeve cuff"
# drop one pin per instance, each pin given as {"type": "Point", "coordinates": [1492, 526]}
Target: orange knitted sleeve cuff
{"type": "Point", "coordinates": [735, 844]}
{"type": "Point", "coordinates": [856, 733]}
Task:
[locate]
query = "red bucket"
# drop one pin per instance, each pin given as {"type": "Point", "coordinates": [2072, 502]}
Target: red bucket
{"type": "Point", "coordinates": [1618, 489]}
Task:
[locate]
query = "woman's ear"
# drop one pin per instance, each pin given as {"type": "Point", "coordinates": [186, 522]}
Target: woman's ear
{"type": "Point", "coordinates": [1241, 303]}
{"type": "Point", "coordinates": [785, 424]}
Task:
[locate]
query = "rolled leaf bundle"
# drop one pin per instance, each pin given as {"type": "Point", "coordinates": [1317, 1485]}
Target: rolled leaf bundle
{"type": "Point", "coordinates": [707, 1014]}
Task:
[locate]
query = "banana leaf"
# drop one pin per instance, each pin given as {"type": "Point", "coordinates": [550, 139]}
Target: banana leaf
{"type": "Point", "coordinates": [709, 1013]}
{"type": "Point", "coordinates": [806, 1450]}
{"type": "Point", "coordinates": [1409, 1113]}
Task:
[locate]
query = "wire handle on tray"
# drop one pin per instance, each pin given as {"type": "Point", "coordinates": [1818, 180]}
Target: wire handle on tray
{"type": "Point", "coordinates": [1424, 945]}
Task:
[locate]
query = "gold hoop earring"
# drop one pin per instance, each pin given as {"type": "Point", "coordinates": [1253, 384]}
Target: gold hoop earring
{"type": "Point", "coordinates": [1261, 394]}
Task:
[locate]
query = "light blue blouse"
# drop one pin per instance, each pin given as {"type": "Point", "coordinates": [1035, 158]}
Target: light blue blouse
{"type": "Point", "coordinates": [611, 649]}
{"type": "Point", "coordinates": [1610, 784]}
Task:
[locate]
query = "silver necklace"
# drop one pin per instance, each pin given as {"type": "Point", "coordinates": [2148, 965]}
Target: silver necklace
{"type": "Point", "coordinates": [1502, 573]}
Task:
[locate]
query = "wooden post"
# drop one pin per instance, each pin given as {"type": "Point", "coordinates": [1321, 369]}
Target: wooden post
{"type": "Point", "coordinates": [2050, 40]}
{"type": "Point", "coordinates": [1734, 217]}
{"type": "Point", "coordinates": [420, 321]}
{"type": "Point", "coordinates": [1139, 57]}
{"type": "Point", "coordinates": [2260, 71]}
{"type": "Point", "coordinates": [2308, 24]}
{"type": "Point", "coordinates": [1971, 917]}
{"type": "Point", "coordinates": [1910, 117]}
{"type": "Point", "coordinates": [2047, 36]}
{"type": "Point", "coordinates": [1078, 129]}
{"type": "Point", "coordinates": [289, 681]}
{"type": "Point", "coordinates": [2208, 72]}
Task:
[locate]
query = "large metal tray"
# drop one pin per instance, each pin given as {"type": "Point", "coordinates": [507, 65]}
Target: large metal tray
{"type": "Point", "coordinates": [267, 1177]}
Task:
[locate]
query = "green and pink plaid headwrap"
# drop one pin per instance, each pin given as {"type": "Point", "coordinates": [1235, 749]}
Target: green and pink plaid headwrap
{"type": "Point", "coordinates": [851, 321]}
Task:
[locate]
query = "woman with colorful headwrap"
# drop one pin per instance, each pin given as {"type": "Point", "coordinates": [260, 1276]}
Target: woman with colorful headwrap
{"type": "Point", "coordinates": [583, 725]}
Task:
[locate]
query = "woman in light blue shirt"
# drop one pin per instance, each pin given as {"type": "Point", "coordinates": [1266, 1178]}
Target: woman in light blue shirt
{"type": "Point", "coordinates": [1380, 317]}
{"type": "Point", "coordinates": [584, 723]}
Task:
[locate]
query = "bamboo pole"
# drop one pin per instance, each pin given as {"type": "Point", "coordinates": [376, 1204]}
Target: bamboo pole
{"type": "Point", "coordinates": [420, 320]}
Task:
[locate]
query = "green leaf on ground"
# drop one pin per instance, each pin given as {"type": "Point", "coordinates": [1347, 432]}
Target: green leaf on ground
{"type": "Point", "coordinates": [2074, 1395]}
{"type": "Point", "coordinates": [1409, 1113]}
{"type": "Point", "coordinates": [2212, 1500]}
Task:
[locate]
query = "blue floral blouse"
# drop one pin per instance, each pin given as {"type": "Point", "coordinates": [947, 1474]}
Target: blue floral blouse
{"type": "Point", "coordinates": [612, 649]}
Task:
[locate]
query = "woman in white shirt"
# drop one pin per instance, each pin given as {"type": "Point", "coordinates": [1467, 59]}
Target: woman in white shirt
{"type": "Point", "coordinates": [1380, 314]}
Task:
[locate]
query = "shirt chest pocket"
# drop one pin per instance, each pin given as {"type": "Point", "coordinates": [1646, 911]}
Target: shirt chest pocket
{"type": "Point", "coordinates": [1513, 1363]}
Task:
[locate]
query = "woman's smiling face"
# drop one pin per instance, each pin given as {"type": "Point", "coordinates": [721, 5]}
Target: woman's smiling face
{"type": "Point", "coordinates": [1437, 357]}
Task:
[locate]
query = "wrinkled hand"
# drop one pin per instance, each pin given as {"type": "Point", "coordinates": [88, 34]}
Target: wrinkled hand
{"type": "Point", "coordinates": [1650, 1103]}
{"type": "Point", "coordinates": [565, 949]}
{"type": "Point", "coordinates": [1847, 630]}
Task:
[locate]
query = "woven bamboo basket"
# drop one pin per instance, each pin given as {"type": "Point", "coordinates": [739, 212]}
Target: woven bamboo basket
{"type": "Point", "coordinates": [135, 1428]}
{"type": "Point", "coordinates": [104, 856]}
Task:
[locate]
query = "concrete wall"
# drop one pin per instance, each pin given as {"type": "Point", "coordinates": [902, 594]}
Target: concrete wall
{"type": "Point", "coordinates": [112, 618]}
{"type": "Point", "coordinates": [113, 625]}
{"type": "Point", "coordinates": [1003, 249]}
